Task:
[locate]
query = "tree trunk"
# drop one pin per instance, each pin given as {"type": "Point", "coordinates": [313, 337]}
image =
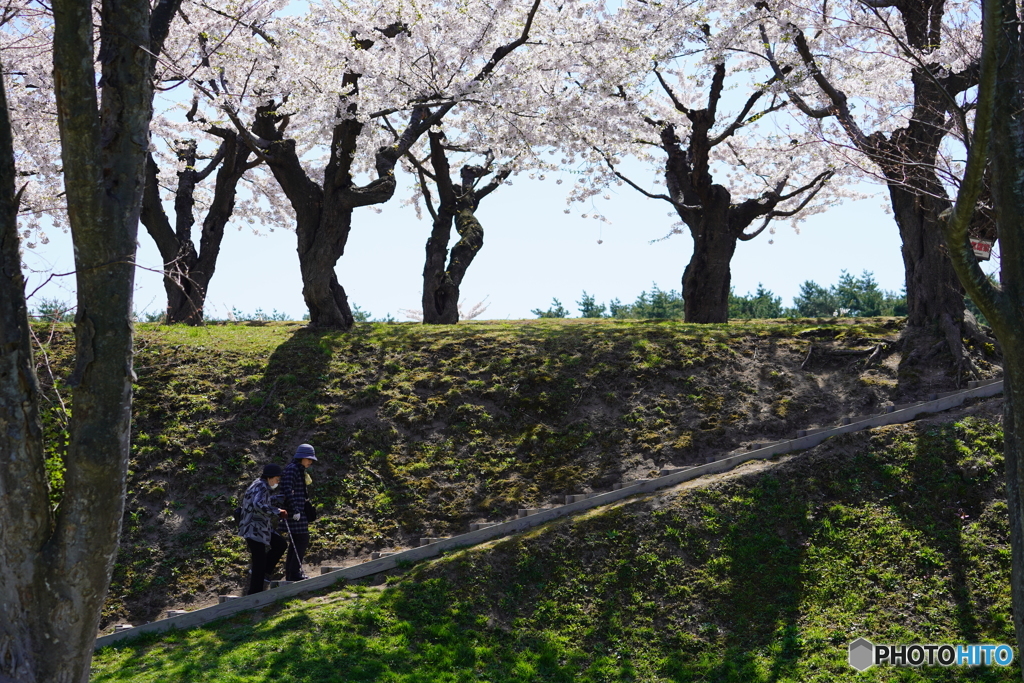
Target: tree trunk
{"type": "Point", "coordinates": [907, 158]}
{"type": "Point", "coordinates": [319, 249]}
{"type": "Point", "coordinates": [1013, 452]}
{"type": "Point", "coordinates": [187, 273]}
{"type": "Point", "coordinates": [57, 567]}
{"type": "Point", "coordinates": [185, 298]}
{"type": "Point", "coordinates": [323, 214]}
{"type": "Point", "coordinates": [997, 119]}
{"type": "Point", "coordinates": [935, 297]}
{"type": "Point", "coordinates": [440, 299]}
{"type": "Point", "coordinates": [707, 278]}
{"type": "Point", "coordinates": [441, 289]}
{"type": "Point", "coordinates": [23, 489]}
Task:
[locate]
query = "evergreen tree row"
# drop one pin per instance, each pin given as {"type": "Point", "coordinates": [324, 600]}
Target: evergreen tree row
{"type": "Point", "coordinates": [852, 296]}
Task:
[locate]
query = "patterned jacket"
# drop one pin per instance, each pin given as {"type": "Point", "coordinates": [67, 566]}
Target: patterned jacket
{"type": "Point", "coordinates": [293, 483]}
{"type": "Point", "coordinates": [259, 513]}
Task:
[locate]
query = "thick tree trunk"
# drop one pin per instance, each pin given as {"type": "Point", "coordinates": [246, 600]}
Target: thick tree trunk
{"type": "Point", "coordinates": [707, 279]}
{"type": "Point", "coordinates": [935, 297]}
{"type": "Point", "coordinates": [1000, 100]}
{"type": "Point", "coordinates": [907, 158]}
{"type": "Point", "coordinates": [319, 250]}
{"type": "Point", "coordinates": [707, 209]}
{"type": "Point", "coordinates": [185, 297]}
{"type": "Point", "coordinates": [324, 214]}
{"type": "Point", "coordinates": [1013, 451]}
{"type": "Point", "coordinates": [22, 475]}
{"type": "Point", "coordinates": [56, 568]}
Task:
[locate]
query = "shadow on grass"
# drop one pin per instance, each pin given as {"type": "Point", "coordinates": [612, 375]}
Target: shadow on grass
{"type": "Point", "coordinates": [756, 580]}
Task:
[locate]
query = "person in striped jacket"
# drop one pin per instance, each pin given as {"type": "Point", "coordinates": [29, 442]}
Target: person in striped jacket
{"type": "Point", "coordinates": [293, 485]}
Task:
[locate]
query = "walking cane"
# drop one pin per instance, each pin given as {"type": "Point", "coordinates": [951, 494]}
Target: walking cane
{"type": "Point", "coordinates": [291, 544]}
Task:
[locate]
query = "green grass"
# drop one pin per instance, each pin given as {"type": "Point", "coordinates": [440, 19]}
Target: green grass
{"type": "Point", "coordinates": [422, 430]}
{"type": "Point", "coordinates": [899, 536]}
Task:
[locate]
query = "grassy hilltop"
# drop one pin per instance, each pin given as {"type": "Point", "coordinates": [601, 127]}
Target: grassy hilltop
{"type": "Point", "coordinates": [759, 575]}
{"type": "Point", "coordinates": [422, 430]}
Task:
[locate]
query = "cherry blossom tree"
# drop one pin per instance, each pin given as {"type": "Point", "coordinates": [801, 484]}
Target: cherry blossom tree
{"type": "Point", "coordinates": [731, 165]}
{"type": "Point", "coordinates": [491, 137]}
{"type": "Point", "coordinates": [196, 147]}
{"type": "Point", "coordinates": [57, 563]}
{"type": "Point", "coordinates": [884, 82]}
{"type": "Point", "coordinates": [457, 203]}
{"type": "Point", "coordinates": [326, 103]}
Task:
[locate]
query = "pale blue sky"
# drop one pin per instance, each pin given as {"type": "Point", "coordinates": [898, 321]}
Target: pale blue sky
{"type": "Point", "coordinates": [532, 252]}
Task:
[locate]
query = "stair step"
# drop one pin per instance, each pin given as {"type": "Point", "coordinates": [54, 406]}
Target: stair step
{"type": "Point", "coordinates": [577, 497]}
{"type": "Point", "coordinates": [808, 432]}
{"type": "Point", "coordinates": [529, 512]}
{"type": "Point", "coordinates": [328, 570]}
{"type": "Point", "coordinates": [476, 526]}
{"type": "Point", "coordinates": [176, 613]}
{"type": "Point", "coordinates": [122, 627]}
{"type": "Point", "coordinates": [427, 540]}
{"type": "Point", "coordinates": [225, 598]}
{"type": "Point", "coordinates": [376, 555]}
{"type": "Point", "coordinates": [278, 584]}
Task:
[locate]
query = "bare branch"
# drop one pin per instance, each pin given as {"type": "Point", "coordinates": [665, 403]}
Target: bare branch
{"type": "Point", "coordinates": [680, 107]}
{"type": "Point", "coordinates": [780, 73]}
{"type": "Point", "coordinates": [218, 157]}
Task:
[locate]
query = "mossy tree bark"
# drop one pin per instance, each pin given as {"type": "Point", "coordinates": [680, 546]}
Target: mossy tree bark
{"type": "Point", "coordinates": [999, 141]}
{"type": "Point", "coordinates": [57, 563]}
{"type": "Point", "coordinates": [906, 158]}
{"type": "Point", "coordinates": [188, 271]}
{"type": "Point", "coordinates": [457, 203]}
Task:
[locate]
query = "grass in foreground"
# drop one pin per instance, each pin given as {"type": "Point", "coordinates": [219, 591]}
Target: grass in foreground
{"type": "Point", "coordinates": [900, 536]}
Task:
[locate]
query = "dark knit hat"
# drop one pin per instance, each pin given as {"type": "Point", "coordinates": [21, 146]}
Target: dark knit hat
{"type": "Point", "coordinates": [305, 451]}
{"type": "Point", "coordinates": [271, 470]}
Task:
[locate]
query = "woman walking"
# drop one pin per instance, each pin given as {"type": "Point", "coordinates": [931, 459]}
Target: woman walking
{"type": "Point", "coordinates": [259, 519]}
{"type": "Point", "coordinates": [294, 486]}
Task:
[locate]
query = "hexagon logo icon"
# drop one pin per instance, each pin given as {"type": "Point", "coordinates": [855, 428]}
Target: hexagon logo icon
{"type": "Point", "coordinates": [862, 654]}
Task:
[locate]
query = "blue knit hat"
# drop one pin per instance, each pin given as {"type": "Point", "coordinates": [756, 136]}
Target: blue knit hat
{"type": "Point", "coordinates": [305, 451]}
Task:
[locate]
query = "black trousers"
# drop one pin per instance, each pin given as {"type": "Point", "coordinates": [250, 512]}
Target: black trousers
{"type": "Point", "coordinates": [296, 554]}
{"type": "Point", "coordinates": [264, 560]}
